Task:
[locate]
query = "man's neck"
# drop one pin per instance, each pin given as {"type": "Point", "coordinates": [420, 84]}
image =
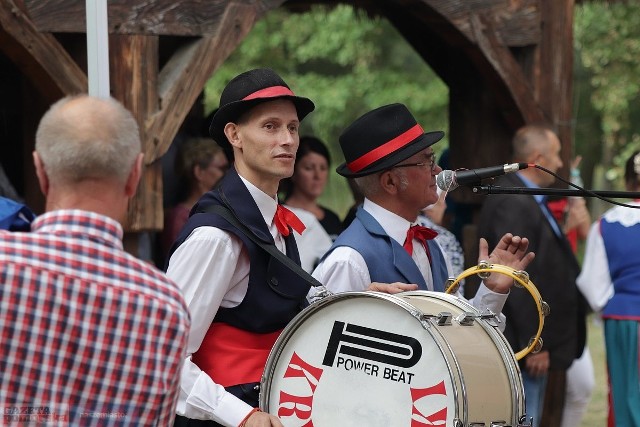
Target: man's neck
{"type": "Point", "coordinates": [267, 186]}
{"type": "Point", "coordinates": [98, 198]}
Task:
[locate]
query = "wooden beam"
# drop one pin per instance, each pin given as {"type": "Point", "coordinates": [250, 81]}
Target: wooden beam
{"type": "Point", "coordinates": [516, 23]}
{"type": "Point", "coordinates": [507, 68]}
{"type": "Point", "coordinates": [149, 17]}
{"type": "Point", "coordinates": [134, 71]}
{"type": "Point", "coordinates": [44, 48]}
{"type": "Point", "coordinates": [185, 74]}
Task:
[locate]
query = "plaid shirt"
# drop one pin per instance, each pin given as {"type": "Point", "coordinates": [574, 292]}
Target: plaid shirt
{"type": "Point", "coordinates": [89, 335]}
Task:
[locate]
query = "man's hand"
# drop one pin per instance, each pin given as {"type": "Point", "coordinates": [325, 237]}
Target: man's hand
{"type": "Point", "coordinates": [392, 288]}
{"type": "Point", "coordinates": [262, 419]}
{"type": "Point", "coordinates": [537, 364]}
{"type": "Point", "coordinates": [510, 251]}
{"type": "Point", "coordinates": [578, 217]}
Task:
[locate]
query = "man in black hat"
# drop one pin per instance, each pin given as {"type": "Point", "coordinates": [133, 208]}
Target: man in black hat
{"type": "Point", "coordinates": [236, 316]}
{"type": "Point", "coordinates": [392, 161]}
{"type": "Point", "coordinates": [240, 298]}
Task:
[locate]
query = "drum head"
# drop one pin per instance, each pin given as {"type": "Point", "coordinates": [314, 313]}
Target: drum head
{"type": "Point", "coordinates": [359, 359]}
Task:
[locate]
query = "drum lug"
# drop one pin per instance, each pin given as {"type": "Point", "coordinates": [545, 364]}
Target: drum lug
{"type": "Point", "coordinates": [466, 319]}
{"type": "Point", "coordinates": [444, 318]}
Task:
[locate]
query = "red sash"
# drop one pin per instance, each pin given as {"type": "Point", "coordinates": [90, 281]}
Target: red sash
{"type": "Point", "coordinates": [231, 356]}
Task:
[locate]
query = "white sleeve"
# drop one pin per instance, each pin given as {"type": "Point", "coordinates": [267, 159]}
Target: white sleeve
{"type": "Point", "coordinates": [485, 299]}
{"type": "Point", "coordinates": [343, 270]}
{"type": "Point", "coordinates": [594, 280]}
{"type": "Point", "coordinates": [207, 267]}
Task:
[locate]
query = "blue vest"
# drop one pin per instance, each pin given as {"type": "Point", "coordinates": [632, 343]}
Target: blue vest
{"type": "Point", "coordinates": [624, 267]}
{"type": "Point", "coordinates": [366, 236]}
{"type": "Point", "coordinates": [275, 294]}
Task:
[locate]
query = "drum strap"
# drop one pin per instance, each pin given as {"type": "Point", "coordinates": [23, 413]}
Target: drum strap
{"type": "Point", "coordinates": [271, 249]}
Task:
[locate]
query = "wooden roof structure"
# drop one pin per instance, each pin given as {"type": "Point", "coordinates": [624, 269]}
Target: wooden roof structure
{"type": "Point", "coordinates": [506, 62]}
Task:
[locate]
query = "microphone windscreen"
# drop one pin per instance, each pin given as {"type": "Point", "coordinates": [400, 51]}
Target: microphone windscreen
{"type": "Point", "coordinates": [446, 180]}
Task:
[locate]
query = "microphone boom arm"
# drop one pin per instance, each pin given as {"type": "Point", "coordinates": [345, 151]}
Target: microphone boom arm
{"type": "Point", "coordinates": [494, 189]}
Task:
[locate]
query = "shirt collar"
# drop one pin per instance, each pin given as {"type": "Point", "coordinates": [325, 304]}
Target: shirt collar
{"type": "Point", "coordinates": [77, 221]}
{"type": "Point", "coordinates": [266, 204]}
{"type": "Point", "coordinates": [394, 225]}
{"type": "Point", "coordinates": [530, 184]}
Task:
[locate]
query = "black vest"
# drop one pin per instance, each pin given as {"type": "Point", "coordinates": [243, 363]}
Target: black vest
{"type": "Point", "coordinates": [275, 294]}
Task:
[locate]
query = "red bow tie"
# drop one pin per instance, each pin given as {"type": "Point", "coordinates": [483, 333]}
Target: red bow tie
{"type": "Point", "coordinates": [419, 233]}
{"type": "Point", "coordinates": [284, 219]}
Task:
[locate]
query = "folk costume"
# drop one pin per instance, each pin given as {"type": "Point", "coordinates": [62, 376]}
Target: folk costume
{"type": "Point", "coordinates": [610, 281]}
{"type": "Point", "coordinates": [380, 245]}
{"type": "Point", "coordinates": [239, 296]}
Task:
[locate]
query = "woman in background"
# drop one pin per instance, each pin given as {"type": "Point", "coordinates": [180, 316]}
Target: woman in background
{"type": "Point", "coordinates": [301, 193]}
{"type": "Point", "coordinates": [199, 165]}
{"type": "Point", "coordinates": [610, 281]}
{"type": "Point", "coordinates": [308, 181]}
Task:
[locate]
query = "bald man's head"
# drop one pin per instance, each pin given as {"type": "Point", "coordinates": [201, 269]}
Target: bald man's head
{"type": "Point", "coordinates": [83, 138]}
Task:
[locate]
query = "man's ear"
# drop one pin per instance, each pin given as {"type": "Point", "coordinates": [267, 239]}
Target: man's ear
{"type": "Point", "coordinates": [389, 182]}
{"type": "Point", "coordinates": [134, 176]}
{"type": "Point", "coordinates": [43, 179]}
{"type": "Point", "coordinates": [232, 132]}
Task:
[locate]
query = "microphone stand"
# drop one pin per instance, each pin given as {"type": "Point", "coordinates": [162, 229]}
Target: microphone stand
{"type": "Point", "coordinates": [493, 189]}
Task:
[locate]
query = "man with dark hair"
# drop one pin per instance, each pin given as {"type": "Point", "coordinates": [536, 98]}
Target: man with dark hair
{"type": "Point", "coordinates": [554, 272]}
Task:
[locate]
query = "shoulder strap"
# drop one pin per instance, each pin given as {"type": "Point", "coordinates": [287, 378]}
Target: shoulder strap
{"type": "Point", "coordinates": [227, 214]}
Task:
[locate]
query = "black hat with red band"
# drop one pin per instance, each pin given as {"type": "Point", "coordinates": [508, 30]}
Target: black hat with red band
{"type": "Point", "coordinates": [382, 138]}
{"type": "Point", "coordinates": [247, 90]}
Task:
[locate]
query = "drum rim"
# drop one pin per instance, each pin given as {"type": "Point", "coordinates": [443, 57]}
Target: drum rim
{"type": "Point", "coordinates": [496, 336]}
{"type": "Point", "coordinates": [294, 324]}
{"type": "Point", "coordinates": [500, 342]}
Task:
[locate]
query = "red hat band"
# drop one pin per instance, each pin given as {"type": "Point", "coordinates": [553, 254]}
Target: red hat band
{"type": "Point", "coordinates": [385, 149]}
{"type": "Point", "coordinates": [269, 92]}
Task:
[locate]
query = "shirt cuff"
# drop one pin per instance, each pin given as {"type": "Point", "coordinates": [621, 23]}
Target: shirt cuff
{"type": "Point", "coordinates": [231, 410]}
{"type": "Point", "coordinates": [227, 410]}
{"type": "Point", "coordinates": [487, 299]}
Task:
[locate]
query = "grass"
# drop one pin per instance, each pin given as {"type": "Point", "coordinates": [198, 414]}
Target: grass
{"type": "Point", "coordinates": [596, 415]}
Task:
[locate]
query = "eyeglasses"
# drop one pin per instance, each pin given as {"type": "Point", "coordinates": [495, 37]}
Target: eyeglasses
{"type": "Point", "coordinates": [431, 163]}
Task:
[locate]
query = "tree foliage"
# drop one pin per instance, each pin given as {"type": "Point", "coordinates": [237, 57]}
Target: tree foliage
{"type": "Point", "coordinates": [346, 62]}
{"type": "Point", "coordinates": [607, 40]}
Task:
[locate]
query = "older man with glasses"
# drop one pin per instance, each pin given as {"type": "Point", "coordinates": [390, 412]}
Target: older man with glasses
{"type": "Point", "coordinates": [393, 163]}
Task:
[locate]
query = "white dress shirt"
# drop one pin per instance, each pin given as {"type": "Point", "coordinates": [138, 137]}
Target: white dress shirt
{"type": "Point", "coordinates": [344, 269]}
{"type": "Point", "coordinates": [211, 268]}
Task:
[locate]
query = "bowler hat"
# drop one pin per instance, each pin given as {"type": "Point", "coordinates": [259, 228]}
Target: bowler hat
{"type": "Point", "coordinates": [381, 139]}
{"type": "Point", "coordinates": [247, 90]}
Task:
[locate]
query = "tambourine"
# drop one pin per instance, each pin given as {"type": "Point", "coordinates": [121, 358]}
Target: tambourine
{"type": "Point", "coordinates": [521, 278]}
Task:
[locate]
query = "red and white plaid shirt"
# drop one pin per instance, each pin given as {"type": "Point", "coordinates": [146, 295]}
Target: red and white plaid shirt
{"type": "Point", "coordinates": [89, 334]}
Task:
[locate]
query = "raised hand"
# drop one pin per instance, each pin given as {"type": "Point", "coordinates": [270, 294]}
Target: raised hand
{"type": "Point", "coordinates": [510, 251]}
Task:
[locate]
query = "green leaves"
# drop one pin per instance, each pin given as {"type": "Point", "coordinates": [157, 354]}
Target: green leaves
{"type": "Point", "coordinates": [348, 64]}
{"type": "Point", "coordinates": [607, 38]}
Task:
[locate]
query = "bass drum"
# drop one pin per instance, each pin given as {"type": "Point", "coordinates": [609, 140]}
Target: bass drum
{"type": "Point", "coordinates": [412, 359]}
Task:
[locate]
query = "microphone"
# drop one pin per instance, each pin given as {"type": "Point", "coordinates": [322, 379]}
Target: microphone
{"type": "Point", "coordinates": [448, 180]}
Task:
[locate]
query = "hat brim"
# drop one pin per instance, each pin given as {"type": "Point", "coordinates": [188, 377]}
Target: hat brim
{"type": "Point", "coordinates": [420, 143]}
{"type": "Point", "coordinates": [232, 111]}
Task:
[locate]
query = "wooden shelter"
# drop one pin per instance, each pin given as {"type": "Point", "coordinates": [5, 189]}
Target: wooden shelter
{"type": "Point", "coordinates": [506, 62]}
